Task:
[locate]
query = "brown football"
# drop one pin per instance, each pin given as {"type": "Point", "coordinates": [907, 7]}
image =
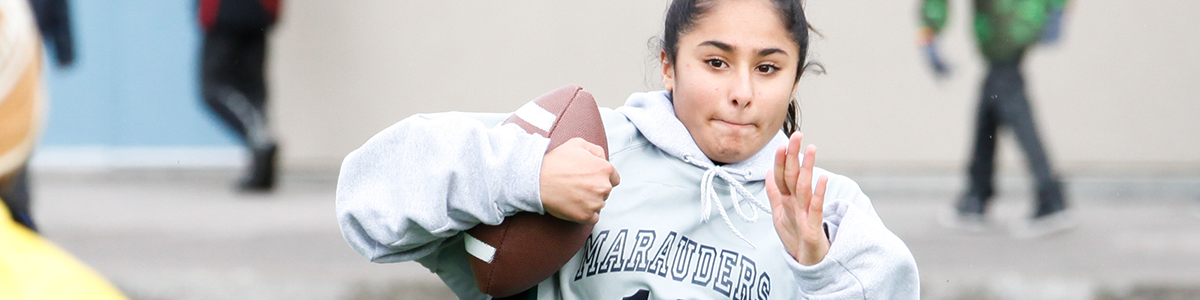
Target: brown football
{"type": "Point", "coordinates": [527, 248]}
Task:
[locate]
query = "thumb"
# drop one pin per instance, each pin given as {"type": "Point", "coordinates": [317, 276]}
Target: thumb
{"type": "Point", "coordinates": [614, 178]}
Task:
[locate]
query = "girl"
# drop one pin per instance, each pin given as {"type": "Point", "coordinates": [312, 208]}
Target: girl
{"type": "Point", "coordinates": [710, 144]}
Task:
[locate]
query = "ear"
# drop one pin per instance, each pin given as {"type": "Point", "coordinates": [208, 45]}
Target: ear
{"type": "Point", "coordinates": [668, 72]}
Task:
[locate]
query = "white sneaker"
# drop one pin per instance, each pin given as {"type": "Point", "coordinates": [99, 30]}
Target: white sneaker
{"type": "Point", "coordinates": [969, 222]}
{"type": "Point", "coordinates": [1044, 226]}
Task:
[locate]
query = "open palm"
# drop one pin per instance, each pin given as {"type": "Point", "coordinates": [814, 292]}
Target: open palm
{"type": "Point", "coordinates": [797, 210]}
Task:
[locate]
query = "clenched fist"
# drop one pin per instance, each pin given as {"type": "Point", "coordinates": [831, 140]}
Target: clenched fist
{"type": "Point", "coordinates": [576, 179]}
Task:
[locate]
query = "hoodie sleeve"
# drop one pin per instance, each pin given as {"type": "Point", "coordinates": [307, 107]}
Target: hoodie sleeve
{"type": "Point", "coordinates": [934, 14]}
{"type": "Point", "coordinates": [865, 259]}
{"type": "Point", "coordinates": [428, 177]}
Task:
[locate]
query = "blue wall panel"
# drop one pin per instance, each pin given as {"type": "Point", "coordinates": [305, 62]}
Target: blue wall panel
{"type": "Point", "coordinates": [135, 81]}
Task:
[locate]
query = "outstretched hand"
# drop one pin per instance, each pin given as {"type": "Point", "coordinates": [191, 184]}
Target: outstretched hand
{"type": "Point", "coordinates": [1052, 30]}
{"type": "Point", "coordinates": [797, 209]}
{"type": "Point", "coordinates": [575, 181]}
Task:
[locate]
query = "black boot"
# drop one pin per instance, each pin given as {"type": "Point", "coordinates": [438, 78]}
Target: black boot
{"type": "Point", "coordinates": [1051, 215]}
{"type": "Point", "coordinates": [1050, 199]}
{"type": "Point", "coordinates": [261, 176]}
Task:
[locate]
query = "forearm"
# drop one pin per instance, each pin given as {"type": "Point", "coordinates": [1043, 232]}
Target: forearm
{"type": "Point", "coordinates": [428, 177]}
{"type": "Point", "coordinates": [865, 259]}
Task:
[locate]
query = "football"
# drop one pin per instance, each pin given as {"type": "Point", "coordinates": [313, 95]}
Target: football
{"type": "Point", "coordinates": [526, 248]}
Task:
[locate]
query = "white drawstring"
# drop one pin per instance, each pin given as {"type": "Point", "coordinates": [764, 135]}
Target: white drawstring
{"type": "Point", "coordinates": [737, 193]}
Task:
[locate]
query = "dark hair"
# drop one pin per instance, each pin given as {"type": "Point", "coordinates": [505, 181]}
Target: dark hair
{"type": "Point", "coordinates": [682, 16]}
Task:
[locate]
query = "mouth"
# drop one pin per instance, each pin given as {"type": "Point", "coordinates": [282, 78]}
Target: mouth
{"type": "Point", "coordinates": [735, 125]}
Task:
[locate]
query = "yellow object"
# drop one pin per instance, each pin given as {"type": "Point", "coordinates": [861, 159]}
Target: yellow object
{"type": "Point", "coordinates": [32, 268]}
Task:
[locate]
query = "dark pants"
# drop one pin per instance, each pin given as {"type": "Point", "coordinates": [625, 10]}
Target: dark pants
{"type": "Point", "coordinates": [234, 87]}
{"type": "Point", "coordinates": [233, 83]}
{"type": "Point", "coordinates": [15, 192]}
{"type": "Point", "coordinates": [1003, 103]}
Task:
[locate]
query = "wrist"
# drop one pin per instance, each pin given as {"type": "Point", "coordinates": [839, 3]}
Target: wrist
{"type": "Point", "coordinates": [926, 36]}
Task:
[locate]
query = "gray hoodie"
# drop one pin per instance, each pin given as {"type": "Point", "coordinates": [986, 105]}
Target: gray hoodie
{"type": "Point", "coordinates": [678, 226]}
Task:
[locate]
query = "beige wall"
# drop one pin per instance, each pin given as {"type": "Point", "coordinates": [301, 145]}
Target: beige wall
{"type": "Point", "coordinates": [1120, 93]}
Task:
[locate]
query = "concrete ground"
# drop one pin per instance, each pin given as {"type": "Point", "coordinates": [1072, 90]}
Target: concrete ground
{"type": "Point", "coordinates": [188, 235]}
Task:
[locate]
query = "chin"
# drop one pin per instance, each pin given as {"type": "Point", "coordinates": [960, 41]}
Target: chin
{"type": "Point", "coordinates": [730, 155]}
{"type": "Point", "coordinates": [736, 150]}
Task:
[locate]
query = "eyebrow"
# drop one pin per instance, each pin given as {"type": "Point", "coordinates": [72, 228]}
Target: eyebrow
{"type": "Point", "coordinates": [723, 46]}
{"type": "Point", "coordinates": [769, 51]}
{"type": "Point", "coordinates": [730, 48]}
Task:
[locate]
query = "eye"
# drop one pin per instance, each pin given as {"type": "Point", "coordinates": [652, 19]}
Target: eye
{"type": "Point", "coordinates": [766, 69]}
{"type": "Point", "coordinates": [716, 63]}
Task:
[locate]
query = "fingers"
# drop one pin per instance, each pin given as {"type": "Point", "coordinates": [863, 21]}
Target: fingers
{"type": "Point", "coordinates": [590, 216]}
{"type": "Point", "coordinates": [614, 178]}
{"type": "Point", "coordinates": [583, 212]}
{"type": "Point", "coordinates": [792, 166]}
{"type": "Point", "coordinates": [780, 164]}
{"type": "Point", "coordinates": [773, 191]}
{"type": "Point", "coordinates": [587, 209]}
{"type": "Point", "coordinates": [816, 209]}
{"type": "Point", "coordinates": [593, 148]}
{"type": "Point", "coordinates": [576, 180]}
{"type": "Point", "coordinates": [783, 208]}
{"type": "Point", "coordinates": [804, 182]}
{"type": "Point", "coordinates": [595, 218]}
{"type": "Point", "coordinates": [583, 217]}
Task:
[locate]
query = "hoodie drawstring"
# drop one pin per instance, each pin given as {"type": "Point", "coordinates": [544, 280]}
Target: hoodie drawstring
{"type": "Point", "coordinates": [737, 193]}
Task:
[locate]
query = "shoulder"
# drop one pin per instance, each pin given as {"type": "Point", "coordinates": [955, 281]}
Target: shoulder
{"type": "Point", "coordinates": [621, 133]}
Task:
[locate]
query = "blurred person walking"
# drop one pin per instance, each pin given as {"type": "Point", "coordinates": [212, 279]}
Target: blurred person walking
{"type": "Point", "coordinates": [1004, 30]}
{"type": "Point", "coordinates": [232, 79]}
{"type": "Point", "coordinates": [54, 22]}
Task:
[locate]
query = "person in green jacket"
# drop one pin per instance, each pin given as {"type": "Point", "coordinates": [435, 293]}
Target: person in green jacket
{"type": "Point", "coordinates": [1004, 30]}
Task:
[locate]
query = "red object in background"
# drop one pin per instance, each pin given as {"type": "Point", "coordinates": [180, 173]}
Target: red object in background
{"type": "Point", "coordinates": [209, 10]}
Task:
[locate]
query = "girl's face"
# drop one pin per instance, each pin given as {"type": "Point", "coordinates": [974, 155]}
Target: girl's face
{"type": "Point", "coordinates": [733, 77]}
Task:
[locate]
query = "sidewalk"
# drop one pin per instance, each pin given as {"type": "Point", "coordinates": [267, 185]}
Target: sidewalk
{"type": "Point", "coordinates": [188, 235]}
{"type": "Point", "coordinates": [1125, 247]}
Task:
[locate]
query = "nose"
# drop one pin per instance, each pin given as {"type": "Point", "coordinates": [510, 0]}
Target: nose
{"type": "Point", "coordinates": [741, 91]}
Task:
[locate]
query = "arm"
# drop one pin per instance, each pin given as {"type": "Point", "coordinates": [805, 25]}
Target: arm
{"type": "Point", "coordinates": [860, 259]}
{"type": "Point", "coordinates": [865, 259]}
{"type": "Point", "coordinates": [933, 17]}
{"type": "Point", "coordinates": [428, 177]}
{"type": "Point", "coordinates": [1052, 29]}
{"type": "Point", "coordinates": [1059, 5]}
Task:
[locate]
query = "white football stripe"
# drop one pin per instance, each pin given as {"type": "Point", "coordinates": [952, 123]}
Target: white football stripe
{"type": "Point", "coordinates": [479, 249]}
{"type": "Point", "coordinates": [536, 115]}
